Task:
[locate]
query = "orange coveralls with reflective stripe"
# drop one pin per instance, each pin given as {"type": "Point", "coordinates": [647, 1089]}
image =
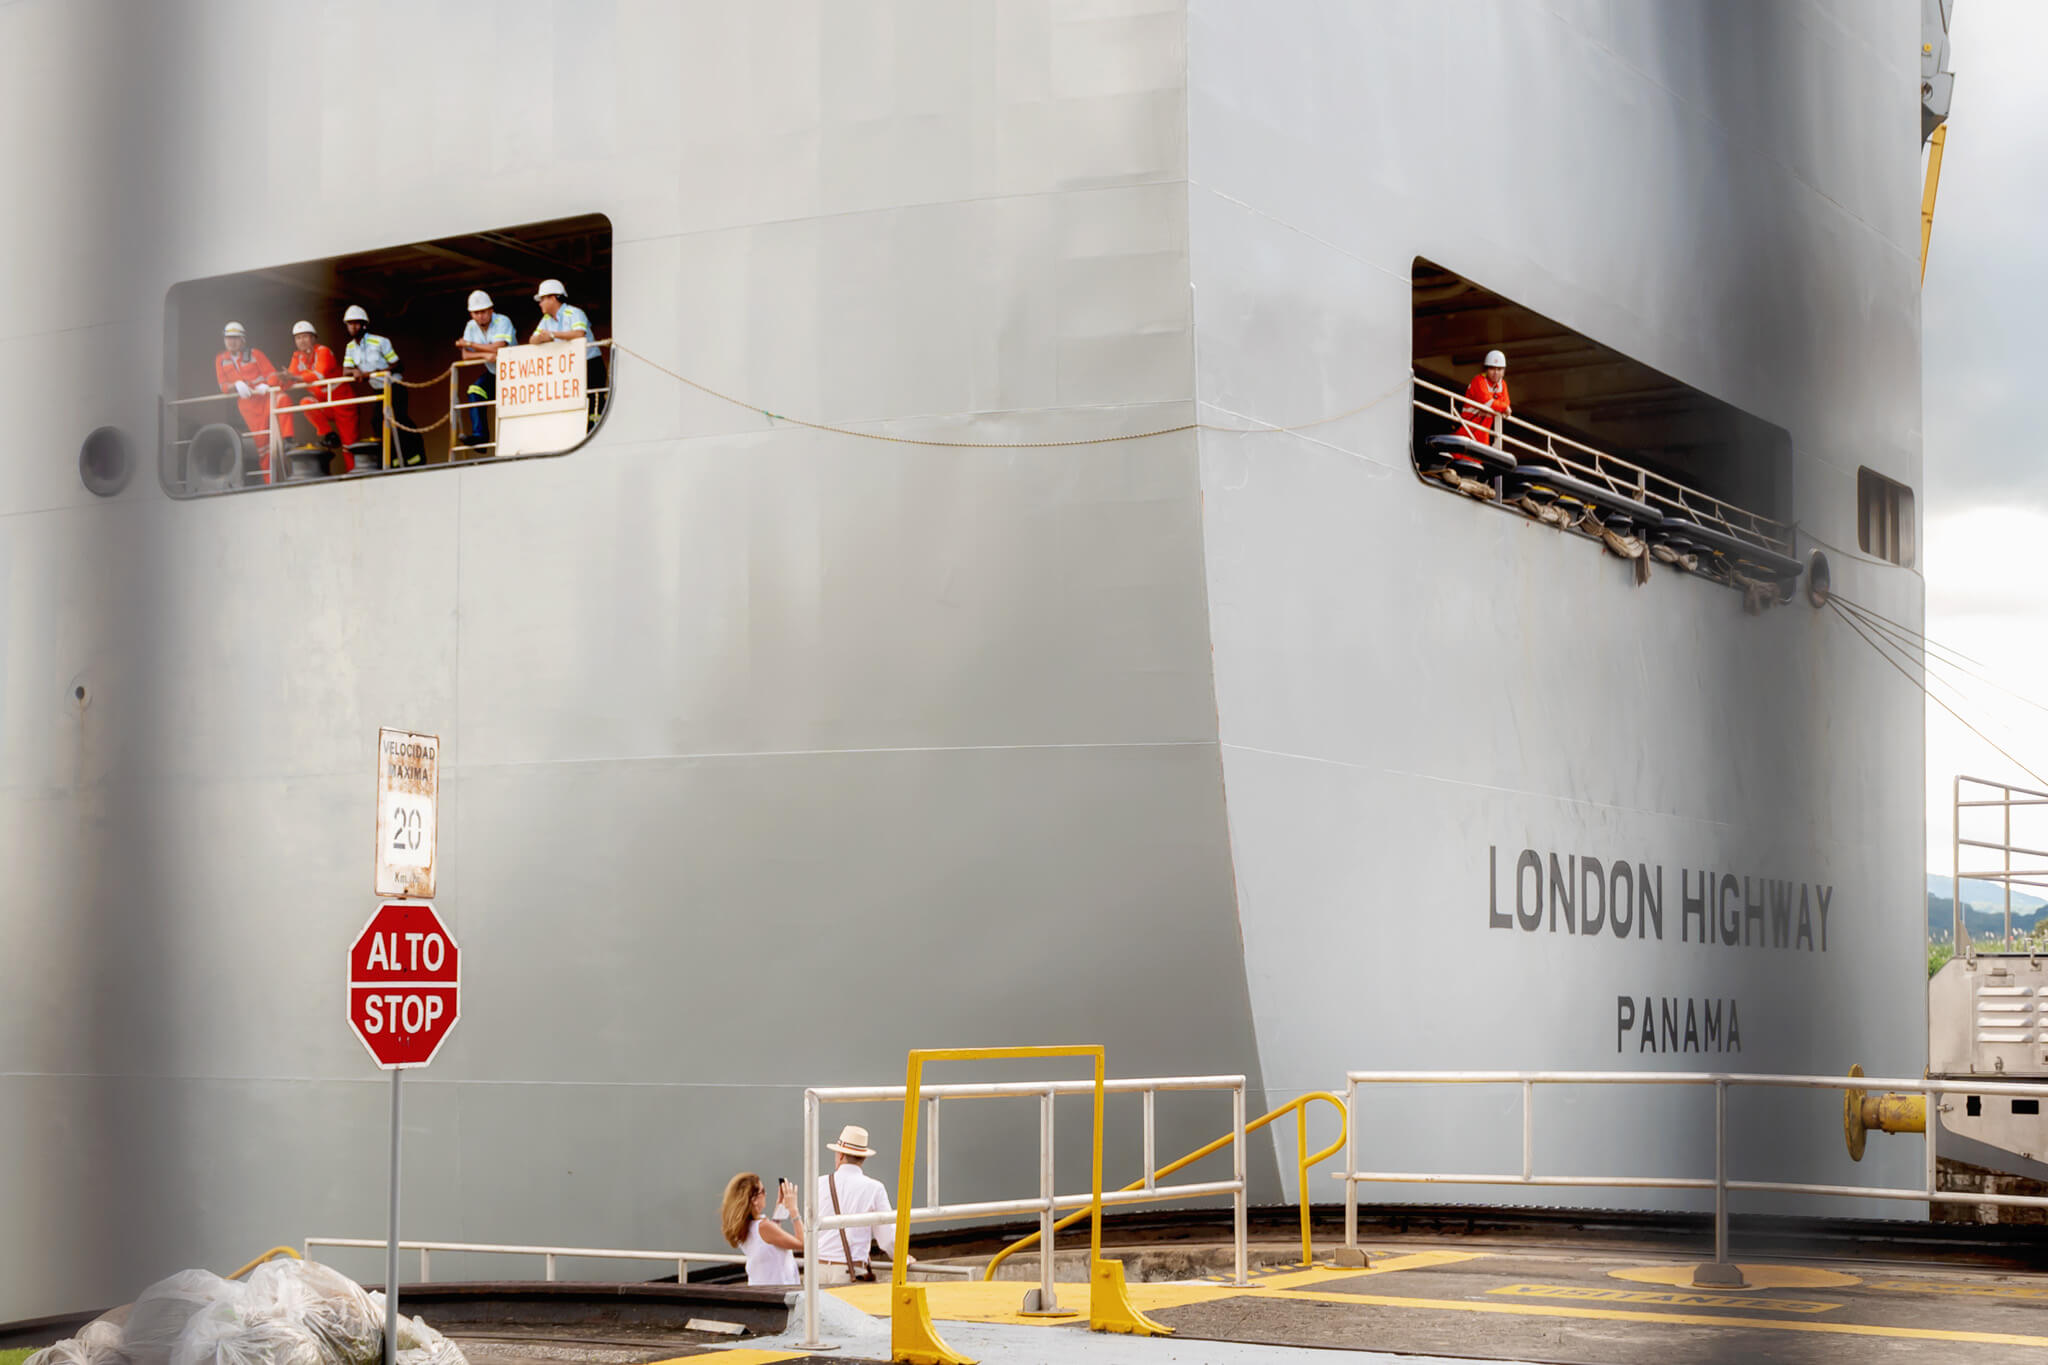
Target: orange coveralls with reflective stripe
{"type": "Point", "coordinates": [320, 372]}
{"type": "Point", "coordinates": [252, 367]}
{"type": "Point", "coordinates": [1482, 400]}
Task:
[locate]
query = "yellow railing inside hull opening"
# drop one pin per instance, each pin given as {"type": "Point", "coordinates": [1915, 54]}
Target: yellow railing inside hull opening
{"type": "Point", "coordinates": [1297, 1107]}
{"type": "Point", "coordinates": [912, 1337]}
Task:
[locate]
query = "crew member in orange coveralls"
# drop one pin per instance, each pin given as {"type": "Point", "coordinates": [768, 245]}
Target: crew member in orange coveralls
{"type": "Point", "coordinates": [247, 373]}
{"type": "Point", "coordinates": [1486, 395]}
{"type": "Point", "coordinates": [316, 378]}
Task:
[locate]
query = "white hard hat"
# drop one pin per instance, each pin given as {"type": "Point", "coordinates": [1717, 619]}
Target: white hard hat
{"type": "Point", "coordinates": [355, 313]}
{"type": "Point", "coordinates": [478, 299]}
{"type": "Point", "coordinates": [303, 326]}
{"type": "Point", "coordinates": [547, 287]}
{"type": "Point", "coordinates": [1494, 359]}
{"type": "Point", "coordinates": [234, 329]}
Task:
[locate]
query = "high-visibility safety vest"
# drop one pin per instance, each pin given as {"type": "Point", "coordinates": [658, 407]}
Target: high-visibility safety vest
{"type": "Point", "coordinates": [371, 356]}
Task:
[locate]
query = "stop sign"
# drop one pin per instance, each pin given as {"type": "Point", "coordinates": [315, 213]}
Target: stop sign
{"type": "Point", "coordinates": [404, 975]}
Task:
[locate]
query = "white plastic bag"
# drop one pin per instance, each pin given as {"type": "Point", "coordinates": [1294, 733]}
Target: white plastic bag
{"type": "Point", "coordinates": [166, 1308]}
{"type": "Point", "coordinates": [330, 1305]}
{"type": "Point", "coordinates": [224, 1336]}
{"type": "Point", "coordinates": [418, 1344]}
{"type": "Point", "coordinates": [97, 1343]}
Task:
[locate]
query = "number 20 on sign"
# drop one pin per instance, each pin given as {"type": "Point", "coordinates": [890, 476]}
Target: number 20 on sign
{"type": "Point", "coordinates": [408, 812]}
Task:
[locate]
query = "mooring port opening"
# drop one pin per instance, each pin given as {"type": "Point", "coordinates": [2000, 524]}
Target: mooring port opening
{"type": "Point", "coordinates": [1592, 436]}
{"type": "Point", "coordinates": [407, 309]}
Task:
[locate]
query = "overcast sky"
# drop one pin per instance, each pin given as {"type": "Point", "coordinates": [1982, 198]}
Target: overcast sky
{"type": "Point", "coordinates": [1985, 503]}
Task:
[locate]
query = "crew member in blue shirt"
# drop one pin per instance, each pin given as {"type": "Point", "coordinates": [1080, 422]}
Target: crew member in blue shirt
{"type": "Point", "coordinates": [562, 320]}
{"type": "Point", "coordinates": [373, 357]}
{"type": "Point", "coordinates": [488, 333]}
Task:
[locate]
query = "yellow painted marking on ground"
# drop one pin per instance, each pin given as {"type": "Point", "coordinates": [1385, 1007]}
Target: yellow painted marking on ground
{"type": "Point", "coordinates": [1419, 1260]}
{"type": "Point", "coordinates": [738, 1355]}
{"type": "Point", "coordinates": [1759, 1276]}
{"type": "Point", "coordinates": [1000, 1301]}
{"type": "Point", "coordinates": [1545, 1310]}
{"type": "Point", "coordinates": [1972, 1291]}
{"type": "Point", "coordinates": [1600, 1293]}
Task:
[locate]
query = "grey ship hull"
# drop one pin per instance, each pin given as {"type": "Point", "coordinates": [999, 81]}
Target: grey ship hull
{"type": "Point", "coordinates": [771, 753]}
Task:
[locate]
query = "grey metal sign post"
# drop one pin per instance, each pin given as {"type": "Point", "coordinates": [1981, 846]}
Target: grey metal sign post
{"type": "Point", "coordinates": [391, 1250]}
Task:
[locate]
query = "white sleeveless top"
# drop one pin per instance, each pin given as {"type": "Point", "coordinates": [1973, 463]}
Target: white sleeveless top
{"type": "Point", "coordinates": [768, 1264]}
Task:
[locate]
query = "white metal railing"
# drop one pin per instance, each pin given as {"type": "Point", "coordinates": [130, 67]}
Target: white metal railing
{"type": "Point", "coordinates": [1609, 471]}
{"type": "Point", "coordinates": [681, 1259]}
{"type": "Point", "coordinates": [2033, 870]}
{"type": "Point", "coordinates": [1719, 1183]}
{"type": "Point", "coordinates": [379, 397]}
{"type": "Point", "coordinates": [1048, 1204]}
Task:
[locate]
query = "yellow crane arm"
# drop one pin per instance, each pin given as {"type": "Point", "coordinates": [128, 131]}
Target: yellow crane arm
{"type": "Point", "coordinates": [1934, 146]}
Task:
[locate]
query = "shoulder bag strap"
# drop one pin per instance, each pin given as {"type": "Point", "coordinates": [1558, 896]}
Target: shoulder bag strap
{"type": "Point", "coordinates": [832, 1184]}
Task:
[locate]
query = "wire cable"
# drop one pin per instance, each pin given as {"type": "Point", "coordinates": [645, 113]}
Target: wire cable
{"type": "Point", "coordinates": [1902, 638]}
{"type": "Point", "coordinates": [1857, 626]}
{"type": "Point", "coordinates": [998, 445]}
{"type": "Point", "coordinates": [1901, 625]}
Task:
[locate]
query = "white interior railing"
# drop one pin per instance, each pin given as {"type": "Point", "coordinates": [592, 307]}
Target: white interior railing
{"type": "Point", "coordinates": [1719, 1182]}
{"type": "Point", "coordinates": [1517, 436]}
{"type": "Point", "coordinates": [682, 1260]}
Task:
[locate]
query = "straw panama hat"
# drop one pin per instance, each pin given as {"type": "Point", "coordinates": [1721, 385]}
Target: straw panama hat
{"type": "Point", "coordinates": [853, 1141]}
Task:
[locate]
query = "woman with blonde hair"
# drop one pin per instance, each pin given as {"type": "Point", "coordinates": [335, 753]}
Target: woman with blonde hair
{"type": "Point", "coordinates": [771, 1250]}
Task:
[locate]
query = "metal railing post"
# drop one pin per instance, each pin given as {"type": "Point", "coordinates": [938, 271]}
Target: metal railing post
{"type": "Point", "coordinates": [1960, 931]}
{"type": "Point", "coordinates": [1308, 1250]}
{"type": "Point", "coordinates": [1528, 1130]}
{"type": "Point", "coordinates": [682, 1270]}
{"type": "Point", "coordinates": [1239, 1212]}
{"type": "Point", "coordinates": [1723, 1273]}
{"type": "Point", "coordinates": [1934, 1108]}
{"type": "Point", "coordinates": [1047, 1296]}
{"type": "Point", "coordinates": [426, 1265]}
{"type": "Point", "coordinates": [1721, 1172]}
{"type": "Point", "coordinates": [1151, 1157]}
{"type": "Point", "coordinates": [931, 1154]}
{"type": "Point", "coordinates": [1350, 1163]}
{"type": "Point", "coordinates": [549, 1273]}
{"type": "Point", "coordinates": [810, 1202]}
{"type": "Point", "coordinates": [2006, 808]}
{"type": "Point", "coordinates": [384, 453]}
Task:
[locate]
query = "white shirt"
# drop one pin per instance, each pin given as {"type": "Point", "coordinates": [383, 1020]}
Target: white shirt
{"type": "Point", "coordinates": [858, 1193]}
{"type": "Point", "coordinates": [768, 1264]}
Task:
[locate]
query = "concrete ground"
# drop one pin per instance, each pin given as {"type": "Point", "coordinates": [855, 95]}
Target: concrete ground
{"type": "Point", "coordinates": [1420, 1300]}
{"type": "Point", "coordinates": [1511, 1304]}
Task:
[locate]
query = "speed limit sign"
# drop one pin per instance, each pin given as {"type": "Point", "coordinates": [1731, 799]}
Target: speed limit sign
{"type": "Point", "coordinates": [408, 805]}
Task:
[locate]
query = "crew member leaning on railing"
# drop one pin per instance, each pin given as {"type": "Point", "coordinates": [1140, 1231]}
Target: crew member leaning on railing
{"type": "Point", "coordinates": [316, 378]}
{"type": "Point", "coordinates": [488, 333]}
{"type": "Point", "coordinates": [243, 370]}
{"type": "Point", "coordinates": [372, 357]}
{"type": "Point", "coordinates": [1485, 396]}
{"type": "Point", "coordinates": [564, 321]}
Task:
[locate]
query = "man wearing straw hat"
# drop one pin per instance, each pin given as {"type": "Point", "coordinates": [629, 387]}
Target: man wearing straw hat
{"type": "Point", "coordinates": [843, 1252]}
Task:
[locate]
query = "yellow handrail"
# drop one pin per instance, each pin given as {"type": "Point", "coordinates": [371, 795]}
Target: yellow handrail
{"type": "Point", "coordinates": [269, 1255]}
{"type": "Point", "coordinates": [1298, 1107]}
